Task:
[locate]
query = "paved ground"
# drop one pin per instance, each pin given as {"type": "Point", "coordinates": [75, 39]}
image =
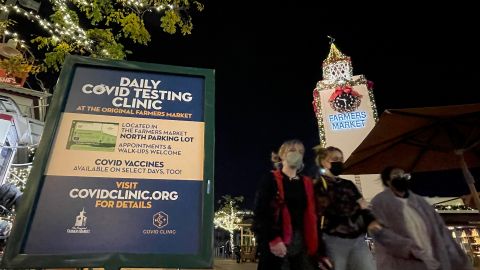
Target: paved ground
{"type": "Point", "coordinates": [219, 264]}
{"type": "Point", "coordinates": [233, 265]}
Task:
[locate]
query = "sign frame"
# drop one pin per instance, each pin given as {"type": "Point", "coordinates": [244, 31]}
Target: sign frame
{"type": "Point", "coordinates": [13, 258]}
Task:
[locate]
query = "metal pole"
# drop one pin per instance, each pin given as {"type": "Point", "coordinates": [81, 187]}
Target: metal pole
{"type": "Point", "coordinates": [469, 179]}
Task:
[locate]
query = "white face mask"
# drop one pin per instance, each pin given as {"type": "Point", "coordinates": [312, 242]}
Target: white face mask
{"type": "Point", "coordinates": [294, 160]}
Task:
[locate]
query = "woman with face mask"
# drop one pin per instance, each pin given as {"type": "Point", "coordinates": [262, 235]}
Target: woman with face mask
{"type": "Point", "coordinates": [342, 213]}
{"type": "Point", "coordinates": [409, 233]}
{"type": "Point", "coordinates": [285, 223]}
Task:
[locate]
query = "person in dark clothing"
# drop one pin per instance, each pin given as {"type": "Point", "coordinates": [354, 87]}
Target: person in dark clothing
{"type": "Point", "coordinates": [10, 196]}
{"type": "Point", "coordinates": [342, 213]}
{"type": "Point", "coordinates": [238, 253]}
{"type": "Point", "coordinates": [285, 222]}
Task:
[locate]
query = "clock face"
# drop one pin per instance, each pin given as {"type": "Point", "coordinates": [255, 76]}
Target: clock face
{"type": "Point", "coordinates": [345, 103]}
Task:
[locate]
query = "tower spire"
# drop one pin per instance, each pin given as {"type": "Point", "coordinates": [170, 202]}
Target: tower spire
{"type": "Point", "coordinates": [337, 67]}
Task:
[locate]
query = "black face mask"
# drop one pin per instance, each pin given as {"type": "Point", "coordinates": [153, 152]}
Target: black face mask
{"type": "Point", "coordinates": [337, 168]}
{"type": "Point", "coordinates": [400, 184]}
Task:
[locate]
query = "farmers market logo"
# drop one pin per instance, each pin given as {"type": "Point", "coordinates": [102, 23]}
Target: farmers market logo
{"type": "Point", "coordinates": [80, 224]}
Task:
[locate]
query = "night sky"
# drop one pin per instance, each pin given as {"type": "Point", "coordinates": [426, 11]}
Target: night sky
{"type": "Point", "coordinates": [268, 59]}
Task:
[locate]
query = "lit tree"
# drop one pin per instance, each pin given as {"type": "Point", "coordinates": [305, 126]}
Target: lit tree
{"type": "Point", "coordinates": [18, 173]}
{"type": "Point", "coordinates": [105, 25]}
{"type": "Point", "coordinates": [95, 28]}
{"type": "Point", "coordinates": [229, 215]}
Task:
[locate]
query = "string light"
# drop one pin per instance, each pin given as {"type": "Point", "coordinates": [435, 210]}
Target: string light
{"type": "Point", "coordinates": [71, 31]}
{"type": "Point", "coordinates": [453, 207]}
{"type": "Point", "coordinates": [139, 3]}
{"type": "Point", "coordinates": [317, 107]}
{"type": "Point", "coordinates": [19, 175]}
{"type": "Point", "coordinates": [372, 100]}
{"type": "Point", "coordinates": [15, 37]}
{"type": "Point", "coordinates": [229, 218]}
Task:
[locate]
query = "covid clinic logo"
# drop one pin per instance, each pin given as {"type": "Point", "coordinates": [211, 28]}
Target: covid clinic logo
{"type": "Point", "coordinates": [160, 220]}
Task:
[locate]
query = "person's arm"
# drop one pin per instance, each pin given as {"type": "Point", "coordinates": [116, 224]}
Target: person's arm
{"type": "Point", "coordinates": [395, 244]}
{"type": "Point", "coordinates": [321, 203]}
{"type": "Point", "coordinates": [457, 256]}
{"type": "Point", "coordinates": [264, 224]}
{"type": "Point", "coordinates": [363, 203]}
{"type": "Point", "coordinates": [358, 197]}
{"type": "Point", "coordinates": [365, 211]}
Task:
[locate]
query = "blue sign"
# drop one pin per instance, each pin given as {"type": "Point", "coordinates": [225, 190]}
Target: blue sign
{"type": "Point", "coordinates": [125, 168]}
{"type": "Point", "coordinates": [98, 215]}
{"type": "Point", "coordinates": [138, 94]}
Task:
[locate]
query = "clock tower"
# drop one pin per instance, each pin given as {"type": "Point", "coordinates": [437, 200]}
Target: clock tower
{"type": "Point", "coordinates": [345, 109]}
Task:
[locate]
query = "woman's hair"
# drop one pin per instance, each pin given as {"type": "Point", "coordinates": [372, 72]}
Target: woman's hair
{"type": "Point", "coordinates": [321, 153]}
{"type": "Point", "coordinates": [276, 160]}
{"type": "Point", "coordinates": [281, 151]}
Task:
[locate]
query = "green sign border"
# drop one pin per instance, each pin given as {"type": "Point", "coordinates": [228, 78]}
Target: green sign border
{"type": "Point", "coordinates": [204, 259]}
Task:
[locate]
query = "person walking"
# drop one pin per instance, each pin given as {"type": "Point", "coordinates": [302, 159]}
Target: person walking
{"type": "Point", "coordinates": [285, 223]}
{"type": "Point", "coordinates": [342, 212]}
{"type": "Point", "coordinates": [409, 233]}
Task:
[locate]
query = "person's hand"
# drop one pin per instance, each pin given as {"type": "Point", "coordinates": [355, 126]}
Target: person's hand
{"type": "Point", "coordinates": [374, 227]}
{"type": "Point", "coordinates": [362, 203]}
{"type": "Point", "coordinates": [279, 249]}
{"type": "Point", "coordinates": [325, 264]}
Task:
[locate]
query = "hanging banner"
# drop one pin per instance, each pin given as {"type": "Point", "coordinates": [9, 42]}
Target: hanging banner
{"type": "Point", "coordinates": [125, 171]}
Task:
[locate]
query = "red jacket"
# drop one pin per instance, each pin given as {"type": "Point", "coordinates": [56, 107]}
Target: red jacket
{"type": "Point", "coordinates": [309, 219]}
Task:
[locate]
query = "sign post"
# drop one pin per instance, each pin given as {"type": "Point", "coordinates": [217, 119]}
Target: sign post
{"type": "Point", "coordinates": [124, 173]}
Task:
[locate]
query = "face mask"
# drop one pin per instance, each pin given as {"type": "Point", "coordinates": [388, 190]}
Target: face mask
{"type": "Point", "coordinates": [337, 168]}
{"type": "Point", "coordinates": [294, 160]}
{"type": "Point", "coordinates": [400, 184]}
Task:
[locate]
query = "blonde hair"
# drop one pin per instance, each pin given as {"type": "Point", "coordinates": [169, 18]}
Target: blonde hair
{"type": "Point", "coordinates": [281, 151]}
{"type": "Point", "coordinates": [321, 153]}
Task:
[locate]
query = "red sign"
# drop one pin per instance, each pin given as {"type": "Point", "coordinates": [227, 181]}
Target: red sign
{"type": "Point", "coordinates": [6, 78]}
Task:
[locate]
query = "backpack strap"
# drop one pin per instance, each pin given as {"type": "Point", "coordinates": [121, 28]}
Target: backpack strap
{"type": "Point", "coordinates": [325, 186]}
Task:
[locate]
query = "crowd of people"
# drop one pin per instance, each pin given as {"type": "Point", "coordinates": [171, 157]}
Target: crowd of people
{"type": "Point", "coordinates": [320, 221]}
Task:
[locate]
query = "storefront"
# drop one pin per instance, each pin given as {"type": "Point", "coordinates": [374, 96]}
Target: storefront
{"type": "Point", "coordinates": [464, 225]}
